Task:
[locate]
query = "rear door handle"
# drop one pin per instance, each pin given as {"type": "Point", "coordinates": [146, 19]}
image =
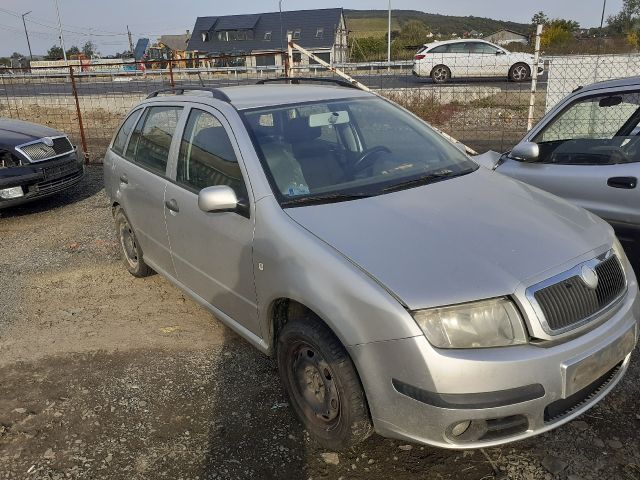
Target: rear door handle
{"type": "Point", "coordinates": [172, 205]}
{"type": "Point", "coordinates": [623, 182]}
{"type": "Point", "coordinates": [124, 179]}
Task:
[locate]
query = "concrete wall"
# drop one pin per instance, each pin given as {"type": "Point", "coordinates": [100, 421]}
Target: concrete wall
{"type": "Point", "coordinates": [567, 73]}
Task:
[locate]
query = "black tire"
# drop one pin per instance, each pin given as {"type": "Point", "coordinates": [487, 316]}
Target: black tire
{"type": "Point", "coordinates": [519, 72]}
{"type": "Point", "coordinates": [131, 250]}
{"type": "Point", "coordinates": [322, 384]}
{"type": "Point", "coordinates": [440, 74]}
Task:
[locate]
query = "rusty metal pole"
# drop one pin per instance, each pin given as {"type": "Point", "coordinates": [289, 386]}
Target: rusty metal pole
{"type": "Point", "coordinates": [173, 84]}
{"type": "Point", "coordinates": [83, 139]}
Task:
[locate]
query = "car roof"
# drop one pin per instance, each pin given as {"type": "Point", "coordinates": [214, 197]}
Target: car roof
{"type": "Point", "coordinates": [456, 40]}
{"type": "Point", "coordinates": [615, 83]}
{"type": "Point", "coordinates": [244, 97]}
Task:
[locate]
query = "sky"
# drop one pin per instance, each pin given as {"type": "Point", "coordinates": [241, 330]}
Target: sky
{"type": "Point", "coordinates": [104, 22]}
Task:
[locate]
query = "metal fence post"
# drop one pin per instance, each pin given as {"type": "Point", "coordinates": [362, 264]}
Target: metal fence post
{"type": "Point", "coordinates": [173, 84]}
{"type": "Point", "coordinates": [534, 78]}
{"type": "Point", "coordinates": [85, 151]}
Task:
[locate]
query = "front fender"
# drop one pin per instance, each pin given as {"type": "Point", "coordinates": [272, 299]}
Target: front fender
{"type": "Point", "coordinates": [291, 262]}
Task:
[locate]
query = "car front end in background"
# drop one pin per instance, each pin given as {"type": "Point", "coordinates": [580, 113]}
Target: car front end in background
{"type": "Point", "coordinates": [35, 162]}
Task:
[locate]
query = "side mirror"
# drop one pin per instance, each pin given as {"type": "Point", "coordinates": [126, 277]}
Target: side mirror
{"type": "Point", "coordinates": [220, 198]}
{"type": "Point", "coordinates": [525, 152]}
{"type": "Point", "coordinates": [500, 52]}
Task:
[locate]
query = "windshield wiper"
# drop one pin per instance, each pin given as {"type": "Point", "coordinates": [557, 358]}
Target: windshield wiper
{"type": "Point", "coordinates": [329, 198]}
{"type": "Point", "coordinates": [425, 179]}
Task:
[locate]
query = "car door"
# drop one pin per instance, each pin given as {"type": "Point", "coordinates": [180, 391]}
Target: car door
{"type": "Point", "coordinates": [212, 251]}
{"type": "Point", "coordinates": [493, 60]}
{"type": "Point", "coordinates": [142, 178]}
{"type": "Point", "coordinates": [590, 155]}
{"type": "Point", "coordinates": [460, 60]}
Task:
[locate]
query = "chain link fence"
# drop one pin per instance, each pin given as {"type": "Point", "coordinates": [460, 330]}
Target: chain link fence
{"type": "Point", "coordinates": [484, 111]}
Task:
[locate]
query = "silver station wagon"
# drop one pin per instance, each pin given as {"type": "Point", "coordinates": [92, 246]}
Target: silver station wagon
{"type": "Point", "coordinates": [401, 288]}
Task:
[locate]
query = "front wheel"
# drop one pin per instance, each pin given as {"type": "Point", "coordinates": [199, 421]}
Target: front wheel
{"type": "Point", "coordinates": [322, 384]}
{"type": "Point", "coordinates": [519, 72]}
{"type": "Point", "coordinates": [440, 74]}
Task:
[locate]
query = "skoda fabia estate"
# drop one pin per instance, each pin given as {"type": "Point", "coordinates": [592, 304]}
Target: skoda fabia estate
{"type": "Point", "coordinates": [402, 288]}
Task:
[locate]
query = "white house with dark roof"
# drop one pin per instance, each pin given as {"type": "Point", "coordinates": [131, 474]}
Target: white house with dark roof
{"type": "Point", "coordinates": [321, 31]}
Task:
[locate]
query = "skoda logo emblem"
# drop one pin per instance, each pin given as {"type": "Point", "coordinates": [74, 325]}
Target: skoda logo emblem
{"type": "Point", "coordinates": [589, 276]}
{"type": "Point", "coordinates": [47, 141]}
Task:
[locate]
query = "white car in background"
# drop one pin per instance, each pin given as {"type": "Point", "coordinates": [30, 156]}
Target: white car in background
{"type": "Point", "coordinates": [472, 58]}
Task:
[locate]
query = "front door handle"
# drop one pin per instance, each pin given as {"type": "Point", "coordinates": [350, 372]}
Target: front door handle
{"type": "Point", "coordinates": [172, 205]}
{"type": "Point", "coordinates": [623, 182]}
{"type": "Point", "coordinates": [124, 179]}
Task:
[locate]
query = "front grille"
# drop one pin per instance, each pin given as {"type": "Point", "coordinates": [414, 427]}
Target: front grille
{"type": "Point", "coordinates": [40, 151]}
{"type": "Point", "coordinates": [571, 301]}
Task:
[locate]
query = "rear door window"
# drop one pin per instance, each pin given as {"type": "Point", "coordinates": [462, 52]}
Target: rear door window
{"type": "Point", "coordinates": [151, 140]}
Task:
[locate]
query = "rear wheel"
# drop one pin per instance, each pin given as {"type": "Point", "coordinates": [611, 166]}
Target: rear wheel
{"type": "Point", "coordinates": [322, 384]}
{"type": "Point", "coordinates": [519, 72]}
{"type": "Point", "coordinates": [440, 74]}
{"type": "Point", "coordinates": [131, 251]}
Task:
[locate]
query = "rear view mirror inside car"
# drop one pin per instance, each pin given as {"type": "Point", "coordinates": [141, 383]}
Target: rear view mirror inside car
{"type": "Point", "coordinates": [610, 101]}
{"type": "Point", "coordinates": [328, 118]}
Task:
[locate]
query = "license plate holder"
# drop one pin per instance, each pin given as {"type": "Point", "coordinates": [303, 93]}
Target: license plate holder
{"type": "Point", "coordinates": [581, 372]}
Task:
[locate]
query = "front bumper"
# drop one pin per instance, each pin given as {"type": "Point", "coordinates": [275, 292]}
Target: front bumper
{"type": "Point", "coordinates": [507, 393]}
{"type": "Point", "coordinates": [41, 179]}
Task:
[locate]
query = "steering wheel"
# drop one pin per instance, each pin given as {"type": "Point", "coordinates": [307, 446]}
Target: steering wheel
{"type": "Point", "coordinates": [361, 163]}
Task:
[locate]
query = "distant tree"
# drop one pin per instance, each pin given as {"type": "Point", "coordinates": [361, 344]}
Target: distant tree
{"type": "Point", "coordinates": [625, 20]}
{"type": "Point", "coordinates": [539, 18]}
{"type": "Point", "coordinates": [54, 53]}
{"type": "Point", "coordinates": [73, 51]}
{"type": "Point", "coordinates": [557, 33]}
{"type": "Point", "coordinates": [414, 32]}
{"type": "Point", "coordinates": [89, 49]}
{"type": "Point", "coordinates": [365, 49]}
{"type": "Point", "coordinates": [16, 55]}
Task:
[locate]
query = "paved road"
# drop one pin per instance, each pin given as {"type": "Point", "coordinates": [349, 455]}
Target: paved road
{"type": "Point", "coordinates": [126, 85]}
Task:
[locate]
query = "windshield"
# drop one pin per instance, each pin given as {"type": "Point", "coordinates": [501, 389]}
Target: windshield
{"type": "Point", "coordinates": [344, 149]}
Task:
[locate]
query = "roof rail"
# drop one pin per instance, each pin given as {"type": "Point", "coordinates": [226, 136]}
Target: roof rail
{"type": "Point", "coordinates": [297, 80]}
{"type": "Point", "coordinates": [215, 93]}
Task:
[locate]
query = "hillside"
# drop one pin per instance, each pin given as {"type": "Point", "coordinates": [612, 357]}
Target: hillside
{"type": "Point", "coordinates": [374, 22]}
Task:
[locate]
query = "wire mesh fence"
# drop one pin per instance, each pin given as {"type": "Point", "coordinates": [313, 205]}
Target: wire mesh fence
{"type": "Point", "coordinates": [479, 102]}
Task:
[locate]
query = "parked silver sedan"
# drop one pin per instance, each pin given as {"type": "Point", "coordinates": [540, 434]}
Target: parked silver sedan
{"type": "Point", "coordinates": [587, 150]}
{"type": "Point", "coordinates": [401, 288]}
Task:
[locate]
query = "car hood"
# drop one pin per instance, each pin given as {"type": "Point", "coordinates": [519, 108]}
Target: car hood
{"type": "Point", "coordinates": [468, 238]}
{"type": "Point", "coordinates": [17, 132]}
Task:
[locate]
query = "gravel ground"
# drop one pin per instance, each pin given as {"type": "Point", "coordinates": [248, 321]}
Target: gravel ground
{"type": "Point", "coordinates": [104, 376]}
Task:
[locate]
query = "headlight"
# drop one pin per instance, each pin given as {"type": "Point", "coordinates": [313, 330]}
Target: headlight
{"type": "Point", "coordinates": [489, 323]}
{"type": "Point", "coordinates": [619, 251]}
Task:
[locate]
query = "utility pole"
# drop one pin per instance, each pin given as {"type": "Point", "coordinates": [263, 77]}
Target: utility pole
{"type": "Point", "coordinates": [389, 37]}
{"type": "Point", "coordinates": [130, 41]}
{"type": "Point", "coordinates": [27, 33]}
{"type": "Point", "coordinates": [604, 6]}
{"type": "Point", "coordinates": [64, 52]}
{"type": "Point", "coordinates": [281, 37]}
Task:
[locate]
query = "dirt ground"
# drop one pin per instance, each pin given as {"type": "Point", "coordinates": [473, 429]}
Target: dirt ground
{"type": "Point", "coordinates": [104, 376]}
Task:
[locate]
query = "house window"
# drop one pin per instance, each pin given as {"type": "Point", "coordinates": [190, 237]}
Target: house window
{"type": "Point", "coordinates": [319, 32]}
{"type": "Point", "coordinates": [205, 36]}
{"type": "Point", "coordinates": [241, 35]}
{"type": "Point", "coordinates": [267, 36]}
{"type": "Point", "coordinates": [296, 34]}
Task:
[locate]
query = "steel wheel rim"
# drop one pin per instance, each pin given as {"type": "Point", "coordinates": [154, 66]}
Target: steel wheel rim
{"type": "Point", "coordinates": [520, 72]}
{"type": "Point", "coordinates": [440, 74]}
{"type": "Point", "coordinates": [129, 245]}
{"type": "Point", "coordinates": [314, 387]}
